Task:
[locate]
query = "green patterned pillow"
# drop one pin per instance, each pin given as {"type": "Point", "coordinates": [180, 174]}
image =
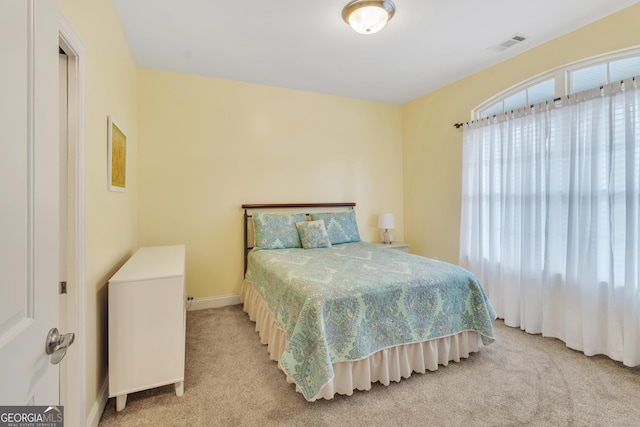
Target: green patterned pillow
{"type": "Point", "coordinates": [274, 231]}
{"type": "Point", "coordinates": [341, 226]}
{"type": "Point", "coordinates": [313, 234]}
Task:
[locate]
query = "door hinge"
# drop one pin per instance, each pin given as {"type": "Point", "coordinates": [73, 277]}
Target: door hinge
{"type": "Point", "coordinates": [63, 287]}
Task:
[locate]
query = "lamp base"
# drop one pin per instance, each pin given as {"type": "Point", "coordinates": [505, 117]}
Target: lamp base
{"type": "Point", "coordinates": [387, 238]}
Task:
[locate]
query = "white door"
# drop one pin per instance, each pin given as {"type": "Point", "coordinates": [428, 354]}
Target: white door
{"type": "Point", "coordinates": [28, 200]}
{"type": "Point", "coordinates": [64, 218]}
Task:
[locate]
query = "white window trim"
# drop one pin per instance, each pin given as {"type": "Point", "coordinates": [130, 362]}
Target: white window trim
{"type": "Point", "coordinates": [560, 74]}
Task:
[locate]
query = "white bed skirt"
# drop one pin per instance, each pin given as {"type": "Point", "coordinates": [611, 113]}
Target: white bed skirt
{"type": "Point", "coordinates": [384, 366]}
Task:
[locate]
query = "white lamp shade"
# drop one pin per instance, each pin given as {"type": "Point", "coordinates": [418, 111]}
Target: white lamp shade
{"type": "Point", "coordinates": [385, 221]}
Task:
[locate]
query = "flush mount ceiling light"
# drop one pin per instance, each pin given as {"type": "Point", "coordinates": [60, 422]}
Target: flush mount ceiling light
{"type": "Point", "coordinates": [368, 17]}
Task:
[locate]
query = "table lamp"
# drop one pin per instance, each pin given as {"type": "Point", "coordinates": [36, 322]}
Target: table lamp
{"type": "Point", "coordinates": [385, 221]}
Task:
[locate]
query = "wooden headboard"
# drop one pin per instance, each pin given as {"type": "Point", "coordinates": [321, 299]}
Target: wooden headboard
{"type": "Point", "coordinates": [301, 207]}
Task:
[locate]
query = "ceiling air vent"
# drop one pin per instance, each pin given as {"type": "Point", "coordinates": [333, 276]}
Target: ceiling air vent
{"type": "Point", "coordinates": [515, 39]}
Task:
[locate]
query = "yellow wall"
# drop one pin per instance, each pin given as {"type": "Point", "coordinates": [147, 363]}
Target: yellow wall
{"type": "Point", "coordinates": [432, 147]}
{"type": "Point", "coordinates": [209, 145]}
{"type": "Point", "coordinates": [112, 218]}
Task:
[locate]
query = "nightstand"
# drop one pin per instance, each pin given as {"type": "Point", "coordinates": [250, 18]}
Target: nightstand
{"type": "Point", "coordinates": [399, 246]}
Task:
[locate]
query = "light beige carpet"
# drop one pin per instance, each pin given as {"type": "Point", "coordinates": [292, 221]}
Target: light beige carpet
{"type": "Point", "coordinates": [520, 380]}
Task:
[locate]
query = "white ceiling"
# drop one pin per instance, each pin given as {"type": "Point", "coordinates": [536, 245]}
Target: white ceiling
{"type": "Point", "coordinates": [304, 44]}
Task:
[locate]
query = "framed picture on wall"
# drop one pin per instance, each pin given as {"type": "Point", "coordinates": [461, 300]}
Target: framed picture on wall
{"type": "Point", "coordinates": [117, 154]}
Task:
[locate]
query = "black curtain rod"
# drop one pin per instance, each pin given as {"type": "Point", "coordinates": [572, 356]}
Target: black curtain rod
{"type": "Point", "coordinates": [459, 125]}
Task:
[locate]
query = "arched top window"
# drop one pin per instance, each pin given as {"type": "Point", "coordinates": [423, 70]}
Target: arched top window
{"type": "Point", "coordinates": [570, 78]}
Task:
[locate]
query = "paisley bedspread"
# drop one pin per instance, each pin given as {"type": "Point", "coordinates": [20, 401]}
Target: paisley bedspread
{"type": "Point", "coordinates": [351, 300]}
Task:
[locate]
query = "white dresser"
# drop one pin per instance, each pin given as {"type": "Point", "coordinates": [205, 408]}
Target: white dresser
{"type": "Point", "coordinates": [147, 319]}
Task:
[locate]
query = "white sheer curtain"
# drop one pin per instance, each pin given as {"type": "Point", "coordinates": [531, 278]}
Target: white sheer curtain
{"type": "Point", "coordinates": [551, 218]}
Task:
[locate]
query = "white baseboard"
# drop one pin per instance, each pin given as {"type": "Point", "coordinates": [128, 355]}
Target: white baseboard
{"type": "Point", "coordinates": [98, 407]}
{"type": "Point", "coordinates": [213, 302]}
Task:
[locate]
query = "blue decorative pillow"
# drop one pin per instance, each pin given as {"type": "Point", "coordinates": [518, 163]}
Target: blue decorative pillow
{"type": "Point", "coordinates": [313, 234]}
{"type": "Point", "coordinates": [274, 231]}
{"type": "Point", "coordinates": [341, 226]}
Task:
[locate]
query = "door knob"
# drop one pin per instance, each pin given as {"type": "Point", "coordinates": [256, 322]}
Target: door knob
{"type": "Point", "coordinates": [57, 344]}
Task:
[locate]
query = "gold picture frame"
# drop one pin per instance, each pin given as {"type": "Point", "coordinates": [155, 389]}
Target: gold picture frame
{"type": "Point", "coordinates": [117, 155]}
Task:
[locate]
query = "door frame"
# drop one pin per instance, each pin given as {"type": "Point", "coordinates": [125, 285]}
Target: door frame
{"type": "Point", "coordinates": [73, 373]}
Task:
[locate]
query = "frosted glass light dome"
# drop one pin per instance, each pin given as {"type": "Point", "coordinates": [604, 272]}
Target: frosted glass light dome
{"type": "Point", "coordinates": [368, 17]}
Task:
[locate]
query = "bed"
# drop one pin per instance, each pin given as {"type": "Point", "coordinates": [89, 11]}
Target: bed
{"type": "Point", "coordinates": [339, 314]}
